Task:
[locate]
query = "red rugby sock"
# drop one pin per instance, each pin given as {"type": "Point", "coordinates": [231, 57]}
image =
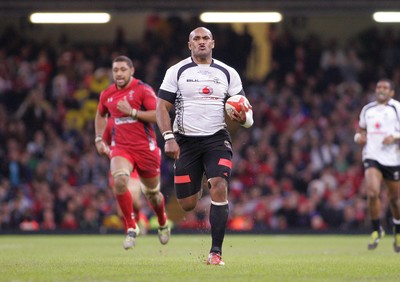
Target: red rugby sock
{"type": "Point", "coordinates": [159, 209]}
{"type": "Point", "coordinates": [126, 206]}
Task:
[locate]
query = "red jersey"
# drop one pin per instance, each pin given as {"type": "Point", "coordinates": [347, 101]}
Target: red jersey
{"type": "Point", "coordinates": [126, 131]}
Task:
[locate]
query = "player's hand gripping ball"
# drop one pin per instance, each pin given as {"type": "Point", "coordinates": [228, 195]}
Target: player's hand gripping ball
{"type": "Point", "coordinates": [235, 102]}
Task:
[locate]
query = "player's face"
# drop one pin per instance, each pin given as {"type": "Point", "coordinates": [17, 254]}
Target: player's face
{"type": "Point", "coordinates": [201, 43]}
{"type": "Point", "coordinates": [383, 92]}
{"type": "Point", "coordinates": [122, 74]}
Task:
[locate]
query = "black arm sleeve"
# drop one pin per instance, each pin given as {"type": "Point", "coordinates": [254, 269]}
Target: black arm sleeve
{"type": "Point", "coordinates": [168, 96]}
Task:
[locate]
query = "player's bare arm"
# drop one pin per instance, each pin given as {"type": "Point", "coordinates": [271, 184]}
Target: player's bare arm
{"type": "Point", "coordinates": [100, 125]}
{"type": "Point", "coordinates": [391, 138]}
{"type": "Point", "coordinates": [171, 148]}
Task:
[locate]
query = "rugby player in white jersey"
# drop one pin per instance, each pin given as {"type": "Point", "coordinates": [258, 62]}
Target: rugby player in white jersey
{"type": "Point", "coordinates": [198, 87]}
{"type": "Point", "coordinates": [379, 133]}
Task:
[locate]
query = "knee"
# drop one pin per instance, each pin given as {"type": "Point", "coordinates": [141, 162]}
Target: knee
{"type": "Point", "coordinates": [373, 189]}
{"type": "Point", "coordinates": [218, 188]}
{"type": "Point", "coordinates": [154, 197]}
{"type": "Point", "coordinates": [152, 194]}
{"type": "Point", "coordinates": [121, 184]}
{"type": "Point", "coordinates": [372, 194]}
{"type": "Point", "coordinates": [187, 204]}
{"type": "Point", "coordinates": [218, 183]}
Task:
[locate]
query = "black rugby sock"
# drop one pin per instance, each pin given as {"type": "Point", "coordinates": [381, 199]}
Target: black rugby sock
{"type": "Point", "coordinates": [218, 220]}
{"type": "Point", "coordinates": [376, 224]}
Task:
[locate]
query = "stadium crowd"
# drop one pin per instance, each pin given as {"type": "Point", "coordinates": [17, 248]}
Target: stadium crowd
{"type": "Point", "coordinates": [298, 166]}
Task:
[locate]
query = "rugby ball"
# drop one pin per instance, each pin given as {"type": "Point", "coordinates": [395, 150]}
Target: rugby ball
{"type": "Point", "coordinates": [235, 102]}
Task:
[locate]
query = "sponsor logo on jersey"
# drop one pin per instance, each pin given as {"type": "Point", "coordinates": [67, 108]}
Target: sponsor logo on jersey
{"type": "Point", "coordinates": [123, 120]}
{"type": "Point", "coordinates": [109, 100]}
{"type": "Point", "coordinates": [206, 90]}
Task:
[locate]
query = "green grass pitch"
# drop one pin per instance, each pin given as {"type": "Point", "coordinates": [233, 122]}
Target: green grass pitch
{"type": "Point", "coordinates": [247, 258]}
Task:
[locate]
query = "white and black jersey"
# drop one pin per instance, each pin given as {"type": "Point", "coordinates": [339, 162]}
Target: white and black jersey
{"type": "Point", "coordinates": [379, 121]}
{"type": "Point", "coordinates": [198, 93]}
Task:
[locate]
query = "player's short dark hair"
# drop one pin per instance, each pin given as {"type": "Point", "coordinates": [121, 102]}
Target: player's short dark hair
{"type": "Point", "coordinates": [124, 59]}
{"type": "Point", "coordinates": [391, 83]}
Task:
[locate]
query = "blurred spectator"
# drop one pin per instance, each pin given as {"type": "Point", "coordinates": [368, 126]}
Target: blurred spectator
{"type": "Point", "coordinates": [35, 110]}
{"type": "Point", "coordinates": [29, 224]}
{"type": "Point", "coordinates": [48, 222]}
{"type": "Point", "coordinates": [69, 222]}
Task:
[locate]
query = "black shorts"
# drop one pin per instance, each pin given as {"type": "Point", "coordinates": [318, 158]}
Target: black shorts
{"type": "Point", "coordinates": [209, 155]}
{"type": "Point", "coordinates": [388, 172]}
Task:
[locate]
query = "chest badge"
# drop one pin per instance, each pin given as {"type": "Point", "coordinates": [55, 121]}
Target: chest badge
{"type": "Point", "coordinates": [131, 94]}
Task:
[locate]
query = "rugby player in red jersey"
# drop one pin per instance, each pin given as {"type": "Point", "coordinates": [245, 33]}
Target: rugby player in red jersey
{"type": "Point", "coordinates": [131, 105]}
